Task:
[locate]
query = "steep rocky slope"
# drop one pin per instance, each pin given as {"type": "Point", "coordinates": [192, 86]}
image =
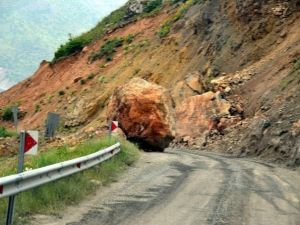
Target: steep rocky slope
{"type": "Point", "coordinates": [246, 51]}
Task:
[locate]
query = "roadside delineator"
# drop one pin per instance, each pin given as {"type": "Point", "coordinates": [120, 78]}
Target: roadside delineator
{"type": "Point", "coordinates": [31, 141]}
{"type": "Point", "coordinates": [28, 146]}
{"type": "Point", "coordinates": [1, 189]}
{"type": "Point", "coordinates": [78, 165]}
{"type": "Point", "coordinates": [114, 125]}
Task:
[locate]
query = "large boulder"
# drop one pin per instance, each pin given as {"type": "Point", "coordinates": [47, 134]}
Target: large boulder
{"type": "Point", "coordinates": [145, 113]}
{"type": "Point", "coordinates": [200, 114]}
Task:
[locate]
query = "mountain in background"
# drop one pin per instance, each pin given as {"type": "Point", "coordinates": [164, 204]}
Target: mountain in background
{"type": "Point", "coordinates": [31, 31]}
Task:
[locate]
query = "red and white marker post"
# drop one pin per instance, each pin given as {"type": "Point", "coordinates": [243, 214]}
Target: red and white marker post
{"type": "Point", "coordinates": [31, 142]}
{"type": "Point", "coordinates": [112, 126]}
{"type": "Point", "coordinates": [28, 146]}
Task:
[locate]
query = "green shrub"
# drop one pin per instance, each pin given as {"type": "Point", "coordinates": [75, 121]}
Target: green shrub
{"type": "Point", "coordinates": [102, 66]}
{"type": "Point", "coordinates": [61, 93]}
{"type": "Point", "coordinates": [50, 97]}
{"type": "Point", "coordinates": [72, 46]}
{"type": "Point", "coordinates": [102, 79]}
{"type": "Point", "coordinates": [152, 6]}
{"type": "Point", "coordinates": [296, 65]}
{"type": "Point", "coordinates": [164, 30]}
{"type": "Point", "coordinates": [37, 108]}
{"type": "Point", "coordinates": [177, 1]}
{"type": "Point", "coordinates": [91, 76]}
{"type": "Point", "coordinates": [107, 50]}
{"type": "Point", "coordinates": [5, 133]}
{"type": "Point", "coordinates": [7, 114]}
{"type": "Point", "coordinates": [129, 38]}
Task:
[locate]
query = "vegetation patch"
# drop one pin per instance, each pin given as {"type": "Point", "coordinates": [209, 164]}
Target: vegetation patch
{"type": "Point", "coordinates": [5, 133]}
{"type": "Point", "coordinates": [37, 108]}
{"type": "Point", "coordinates": [177, 1]}
{"type": "Point", "coordinates": [7, 114]}
{"type": "Point", "coordinates": [165, 28]}
{"type": "Point", "coordinates": [136, 47]}
{"type": "Point", "coordinates": [102, 79]}
{"type": "Point", "coordinates": [53, 197]}
{"type": "Point", "coordinates": [50, 97]}
{"type": "Point", "coordinates": [107, 50]}
{"type": "Point", "coordinates": [296, 65]}
{"type": "Point", "coordinates": [72, 46]}
{"type": "Point", "coordinates": [91, 76]}
{"type": "Point", "coordinates": [129, 38]}
{"type": "Point", "coordinates": [154, 5]}
{"type": "Point", "coordinates": [61, 93]}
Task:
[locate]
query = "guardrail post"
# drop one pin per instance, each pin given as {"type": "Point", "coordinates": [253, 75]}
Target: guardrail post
{"type": "Point", "coordinates": [11, 201]}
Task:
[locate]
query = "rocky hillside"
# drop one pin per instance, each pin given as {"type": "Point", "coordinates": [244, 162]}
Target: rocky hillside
{"type": "Point", "coordinates": [212, 75]}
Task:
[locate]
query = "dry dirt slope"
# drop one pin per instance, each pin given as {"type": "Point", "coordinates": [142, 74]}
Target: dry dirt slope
{"type": "Point", "coordinates": [213, 38]}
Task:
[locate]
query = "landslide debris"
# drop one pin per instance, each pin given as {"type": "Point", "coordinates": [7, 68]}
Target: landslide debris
{"type": "Point", "coordinates": [145, 113]}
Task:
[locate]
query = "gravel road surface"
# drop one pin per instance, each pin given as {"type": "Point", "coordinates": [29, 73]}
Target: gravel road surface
{"type": "Point", "coordinates": [191, 188]}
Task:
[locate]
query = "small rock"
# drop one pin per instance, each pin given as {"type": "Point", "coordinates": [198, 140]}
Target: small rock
{"type": "Point", "coordinates": [90, 130]}
{"type": "Point", "coordinates": [227, 90]}
{"type": "Point", "coordinates": [283, 34]}
{"type": "Point", "coordinates": [85, 49]}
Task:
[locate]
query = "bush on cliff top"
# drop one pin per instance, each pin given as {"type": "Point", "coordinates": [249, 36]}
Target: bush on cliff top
{"type": "Point", "coordinates": [74, 45]}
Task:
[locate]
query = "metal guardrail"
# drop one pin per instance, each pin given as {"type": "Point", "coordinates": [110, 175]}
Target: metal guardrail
{"type": "Point", "coordinates": [17, 183]}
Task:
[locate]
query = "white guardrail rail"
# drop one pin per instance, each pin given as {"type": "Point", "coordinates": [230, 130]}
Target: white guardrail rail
{"type": "Point", "coordinates": [17, 183]}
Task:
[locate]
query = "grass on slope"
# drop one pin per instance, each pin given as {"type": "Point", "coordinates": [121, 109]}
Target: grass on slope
{"type": "Point", "coordinates": [52, 197]}
{"type": "Point", "coordinates": [6, 133]}
{"type": "Point", "coordinates": [179, 13]}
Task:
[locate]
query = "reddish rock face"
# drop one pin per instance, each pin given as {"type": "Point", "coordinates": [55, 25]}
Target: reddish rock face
{"type": "Point", "coordinates": [199, 114]}
{"type": "Point", "coordinates": [191, 85]}
{"type": "Point", "coordinates": [145, 113]}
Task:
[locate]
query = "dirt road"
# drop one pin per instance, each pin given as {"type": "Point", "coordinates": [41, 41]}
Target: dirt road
{"type": "Point", "coordinates": [186, 188]}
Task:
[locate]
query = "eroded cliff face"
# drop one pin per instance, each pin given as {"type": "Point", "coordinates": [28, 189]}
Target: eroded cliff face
{"type": "Point", "coordinates": [247, 50]}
